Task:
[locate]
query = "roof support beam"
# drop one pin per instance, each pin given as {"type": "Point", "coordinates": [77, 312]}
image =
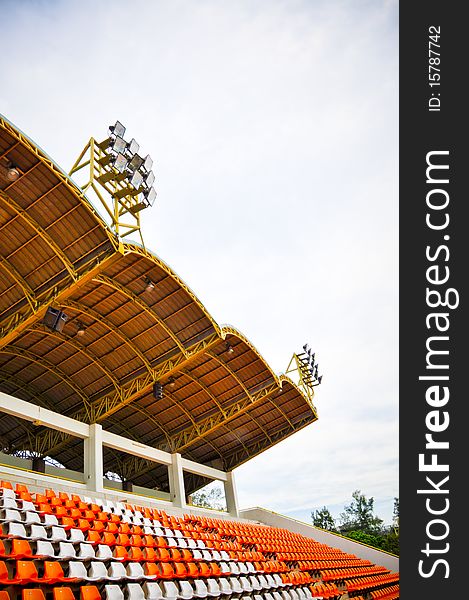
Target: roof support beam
{"type": "Point", "coordinates": [39, 360]}
{"type": "Point", "coordinates": [95, 360]}
{"type": "Point", "coordinates": [105, 321]}
{"type": "Point", "coordinates": [185, 438]}
{"type": "Point", "coordinates": [238, 458]}
{"type": "Point", "coordinates": [104, 407]}
{"type": "Point", "coordinates": [41, 232]}
{"type": "Point", "coordinates": [19, 279]}
{"type": "Point", "coordinates": [20, 321]}
{"type": "Point", "coordinates": [143, 305]}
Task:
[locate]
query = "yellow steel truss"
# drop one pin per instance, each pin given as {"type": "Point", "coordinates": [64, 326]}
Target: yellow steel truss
{"type": "Point", "coordinates": [301, 372]}
{"type": "Point", "coordinates": [122, 206]}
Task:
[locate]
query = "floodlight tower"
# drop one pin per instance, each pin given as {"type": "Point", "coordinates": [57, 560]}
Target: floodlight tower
{"type": "Point", "coordinates": [114, 166]}
{"type": "Point", "coordinates": [305, 369]}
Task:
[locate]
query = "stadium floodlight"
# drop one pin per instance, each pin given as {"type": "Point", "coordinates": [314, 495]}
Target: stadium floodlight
{"type": "Point", "coordinates": [306, 347]}
{"type": "Point", "coordinates": [126, 176]}
{"type": "Point", "coordinates": [136, 162]}
{"type": "Point", "coordinates": [119, 145]}
{"type": "Point", "coordinates": [148, 163]}
{"type": "Point", "coordinates": [149, 179]}
{"type": "Point", "coordinates": [118, 129]}
{"type": "Point", "coordinates": [150, 197]}
{"type": "Point", "coordinates": [133, 147]}
{"type": "Point", "coordinates": [120, 163]}
{"type": "Point", "coordinates": [136, 180]}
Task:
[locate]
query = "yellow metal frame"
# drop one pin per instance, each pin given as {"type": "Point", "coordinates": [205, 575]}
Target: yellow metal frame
{"type": "Point", "coordinates": [297, 367]}
{"type": "Point", "coordinates": [122, 206]}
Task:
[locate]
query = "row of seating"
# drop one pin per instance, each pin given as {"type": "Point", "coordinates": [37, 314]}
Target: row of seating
{"type": "Point", "coordinates": [341, 574]}
{"type": "Point", "coordinates": [147, 591]}
{"type": "Point", "coordinates": [49, 538]}
{"type": "Point", "coordinates": [325, 590]}
{"type": "Point", "coordinates": [368, 583]}
{"type": "Point", "coordinates": [389, 593]}
{"type": "Point", "coordinates": [21, 572]}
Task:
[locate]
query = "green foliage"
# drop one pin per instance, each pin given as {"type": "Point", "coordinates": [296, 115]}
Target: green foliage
{"type": "Point", "coordinates": [209, 498]}
{"type": "Point", "coordinates": [322, 518]}
{"type": "Point", "coordinates": [390, 542]}
{"type": "Point", "coordinates": [358, 515]}
{"type": "Point", "coordinates": [365, 538]}
{"type": "Point", "coordinates": [358, 522]}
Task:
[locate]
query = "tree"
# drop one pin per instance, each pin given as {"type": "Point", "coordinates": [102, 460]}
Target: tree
{"type": "Point", "coordinates": [322, 518]}
{"type": "Point", "coordinates": [359, 516]}
{"type": "Point", "coordinates": [209, 498]}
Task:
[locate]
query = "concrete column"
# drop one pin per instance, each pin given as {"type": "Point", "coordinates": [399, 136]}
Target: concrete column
{"type": "Point", "coordinates": [231, 494]}
{"type": "Point", "coordinates": [176, 481]}
{"type": "Point", "coordinates": [93, 459]}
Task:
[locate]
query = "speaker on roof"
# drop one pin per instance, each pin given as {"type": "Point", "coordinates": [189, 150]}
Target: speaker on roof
{"type": "Point", "coordinates": [158, 391]}
{"type": "Point", "coordinates": [55, 319]}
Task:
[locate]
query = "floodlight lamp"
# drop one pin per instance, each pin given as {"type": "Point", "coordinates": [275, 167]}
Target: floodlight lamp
{"type": "Point", "coordinates": [119, 145]}
{"type": "Point", "coordinates": [136, 162]}
{"type": "Point", "coordinates": [118, 129]}
{"type": "Point", "coordinates": [136, 180]}
{"type": "Point", "coordinates": [133, 147]}
{"type": "Point", "coordinates": [150, 197]}
{"type": "Point", "coordinates": [149, 180]}
{"type": "Point", "coordinates": [305, 347]}
{"type": "Point", "coordinates": [120, 163]}
{"type": "Point", "coordinates": [148, 163]}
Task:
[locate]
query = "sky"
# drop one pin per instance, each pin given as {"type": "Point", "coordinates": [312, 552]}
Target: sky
{"type": "Point", "coordinates": [273, 127]}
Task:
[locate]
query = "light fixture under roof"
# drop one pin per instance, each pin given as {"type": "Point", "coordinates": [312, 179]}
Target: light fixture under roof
{"type": "Point", "coordinates": [13, 174]}
{"type": "Point", "coordinates": [81, 329]}
{"type": "Point", "coordinates": [229, 348]}
{"type": "Point", "coordinates": [150, 286]}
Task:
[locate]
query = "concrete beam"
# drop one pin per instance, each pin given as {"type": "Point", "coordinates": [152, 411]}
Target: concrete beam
{"type": "Point", "coordinates": [118, 442]}
{"type": "Point", "coordinates": [42, 416]}
{"type": "Point", "coordinates": [192, 467]}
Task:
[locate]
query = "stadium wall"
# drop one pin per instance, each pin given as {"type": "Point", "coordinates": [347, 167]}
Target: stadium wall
{"type": "Point", "coordinates": [363, 551]}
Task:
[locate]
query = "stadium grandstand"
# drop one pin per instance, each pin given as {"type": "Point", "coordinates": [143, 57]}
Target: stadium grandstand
{"type": "Point", "coordinates": [120, 396]}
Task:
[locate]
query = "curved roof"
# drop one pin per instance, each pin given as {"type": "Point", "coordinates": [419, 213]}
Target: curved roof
{"type": "Point", "coordinates": [222, 402]}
